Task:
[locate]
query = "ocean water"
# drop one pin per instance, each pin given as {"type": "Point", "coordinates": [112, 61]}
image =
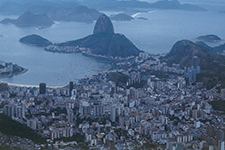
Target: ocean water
{"type": "Point", "coordinates": [156, 35]}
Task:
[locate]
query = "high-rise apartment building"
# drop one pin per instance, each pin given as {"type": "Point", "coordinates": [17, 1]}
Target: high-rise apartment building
{"type": "Point", "coordinates": [42, 88]}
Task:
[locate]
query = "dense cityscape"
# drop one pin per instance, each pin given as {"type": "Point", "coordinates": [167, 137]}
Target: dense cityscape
{"type": "Point", "coordinates": [154, 82]}
{"type": "Point", "coordinates": [140, 104]}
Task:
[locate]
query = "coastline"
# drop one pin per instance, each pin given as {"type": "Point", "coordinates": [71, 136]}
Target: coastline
{"type": "Point", "coordinates": [31, 86]}
{"type": "Point", "coordinates": [98, 58]}
{"type": "Point", "coordinates": [14, 74]}
{"type": "Point", "coordinates": [25, 85]}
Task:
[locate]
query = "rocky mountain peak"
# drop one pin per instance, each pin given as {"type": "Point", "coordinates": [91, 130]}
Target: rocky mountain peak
{"type": "Point", "coordinates": [103, 24]}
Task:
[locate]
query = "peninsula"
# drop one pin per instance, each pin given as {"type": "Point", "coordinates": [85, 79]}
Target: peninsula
{"type": "Point", "coordinates": [10, 69]}
{"type": "Point", "coordinates": [102, 43]}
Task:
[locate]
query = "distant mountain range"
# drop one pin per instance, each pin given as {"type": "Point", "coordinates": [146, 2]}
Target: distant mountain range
{"type": "Point", "coordinates": [70, 7]}
{"type": "Point", "coordinates": [212, 65]}
{"type": "Point", "coordinates": [63, 11]}
{"type": "Point", "coordinates": [28, 19]}
{"type": "Point", "coordinates": [114, 4]}
{"type": "Point", "coordinates": [77, 14]}
{"type": "Point", "coordinates": [175, 4]}
{"type": "Point", "coordinates": [127, 5]}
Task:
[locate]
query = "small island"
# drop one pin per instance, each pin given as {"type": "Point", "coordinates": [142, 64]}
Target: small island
{"type": "Point", "coordinates": [121, 17]}
{"type": "Point", "coordinates": [209, 38]}
{"type": "Point", "coordinates": [142, 18]}
{"type": "Point", "coordinates": [10, 69]}
{"type": "Point", "coordinates": [35, 40]}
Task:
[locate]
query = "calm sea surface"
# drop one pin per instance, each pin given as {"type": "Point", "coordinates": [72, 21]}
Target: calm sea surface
{"type": "Point", "coordinates": [155, 35]}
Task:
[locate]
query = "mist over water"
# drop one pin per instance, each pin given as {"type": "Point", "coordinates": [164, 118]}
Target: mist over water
{"type": "Point", "coordinates": [156, 35]}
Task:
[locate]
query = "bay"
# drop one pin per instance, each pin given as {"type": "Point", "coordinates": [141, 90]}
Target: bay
{"type": "Point", "coordinates": [155, 35]}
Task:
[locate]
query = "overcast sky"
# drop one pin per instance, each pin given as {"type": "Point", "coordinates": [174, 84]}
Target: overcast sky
{"type": "Point", "coordinates": [189, 1]}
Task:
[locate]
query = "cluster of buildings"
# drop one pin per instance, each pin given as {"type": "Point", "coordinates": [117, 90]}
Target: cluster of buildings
{"type": "Point", "coordinates": [10, 69]}
{"type": "Point", "coordinates": [168, 113]}
{"type": "Point", "coordinates": [6, 68]}
{"type": "Point", "coordinates": [191, 72]}
{"type": "Point", "coordinates": [156, 65]}
{"type": "Point", "coordinates": [65, 49]}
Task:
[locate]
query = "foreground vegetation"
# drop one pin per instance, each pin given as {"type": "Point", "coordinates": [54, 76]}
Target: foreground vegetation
{"type": "Point", "coordinates": [14, 128]}
{"type": "Point", "coordinates": [218, 105]}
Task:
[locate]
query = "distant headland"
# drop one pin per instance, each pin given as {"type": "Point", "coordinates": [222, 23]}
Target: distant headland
{"type": "Point", "coordinates": [10, 69]}
{"type": "Point", "coordinates": [29, 19]}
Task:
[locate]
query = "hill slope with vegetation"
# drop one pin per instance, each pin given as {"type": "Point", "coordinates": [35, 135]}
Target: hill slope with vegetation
{"type": "Point", "coordinates": [14, 128]}
{"type": "Point", "coordinates": [212, 65]}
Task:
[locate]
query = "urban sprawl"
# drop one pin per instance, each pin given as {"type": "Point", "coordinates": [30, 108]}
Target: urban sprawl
{"type": "Point", "coordinates": [162, 112]}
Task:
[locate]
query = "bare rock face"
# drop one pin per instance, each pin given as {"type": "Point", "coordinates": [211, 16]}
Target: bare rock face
{"type": "Point", "coordinates": [103, 24]}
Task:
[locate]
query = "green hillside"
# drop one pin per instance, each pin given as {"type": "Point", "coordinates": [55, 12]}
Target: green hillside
{"type": "Point", "coordinates": [14, 128]}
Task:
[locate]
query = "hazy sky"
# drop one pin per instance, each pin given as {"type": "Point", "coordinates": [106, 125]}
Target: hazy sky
{"type": "Point", "coordinates": [189, 1]}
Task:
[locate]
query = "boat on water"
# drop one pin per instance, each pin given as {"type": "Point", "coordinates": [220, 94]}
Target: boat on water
{"type": "Point", "coordinates": [42, 27]}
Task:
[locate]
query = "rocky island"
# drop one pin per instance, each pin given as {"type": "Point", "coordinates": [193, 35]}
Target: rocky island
{"type": "Point", "coordinates": [209, 38]}
{"type": "Point", "coordinates": [28, 19]}
{"type": "Point", "coordinates": [121, 17]}
{"type": "Point", "coordinates": [102, 43]}
{"type": "Point", "coordinates": [35, 40]}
